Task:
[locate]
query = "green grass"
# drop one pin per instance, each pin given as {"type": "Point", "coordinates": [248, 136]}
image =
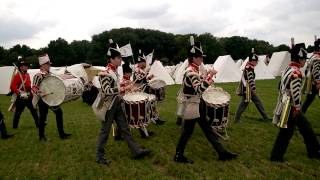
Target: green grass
{"type": "Point", "coordinates": [25, 157]}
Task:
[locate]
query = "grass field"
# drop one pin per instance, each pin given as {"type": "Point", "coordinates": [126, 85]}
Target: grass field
{"type": "Point", "coordinates": [24, 157]}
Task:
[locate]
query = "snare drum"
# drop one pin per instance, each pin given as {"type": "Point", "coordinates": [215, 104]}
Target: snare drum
{"type": "Point", "coordinates": [157, 87]}
{"type": "Point", "coordinates": [153, 114]}
{"type": "Point", "coordinates": [135, 106]}
{"type": "Point", "coordinates": [216, 108]}
{"type": "Point", "coordinates": [59, 89]}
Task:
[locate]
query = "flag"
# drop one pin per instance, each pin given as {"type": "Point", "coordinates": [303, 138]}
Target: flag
{"type": "Point", "coordinates": [149, 58]}
{"type": "Point", "coordinates": [126, 50]}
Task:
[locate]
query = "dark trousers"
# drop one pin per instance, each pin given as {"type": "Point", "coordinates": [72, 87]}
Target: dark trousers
{"type": "Point", "coordinates": [43, 111]}
{"type": "Point", "coordinates": [3, 129]}
{"type": "Point", "coordinates": [115, 114]}
{"type": "Point", "coordinates": [243, 105]}
{"type": "Point", "coordinates": [285, 134]}
{"type": "Point", "coordinates": [20, 105]}
{"type": "Point", "coordinates": [187, 130]}
{"type": "Point", "coordinates": [309, 99]}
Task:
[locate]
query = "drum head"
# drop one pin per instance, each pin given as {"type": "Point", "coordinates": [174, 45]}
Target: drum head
{"type": "Point", "coordinates": [53, 90]}
{"type": "Point", "coordinates": [216, 96]}
{"type": "Point", "coordinates": [135, 97]}
{"type": "Point", "coordinates": [157, 84]}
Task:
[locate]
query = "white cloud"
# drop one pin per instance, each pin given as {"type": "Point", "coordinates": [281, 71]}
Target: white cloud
{"type": "Point", "coordinates": [36, 22]}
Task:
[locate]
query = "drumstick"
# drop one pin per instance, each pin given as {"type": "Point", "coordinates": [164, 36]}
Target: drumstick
{"type": "Point", "coordinates": [46, 94]}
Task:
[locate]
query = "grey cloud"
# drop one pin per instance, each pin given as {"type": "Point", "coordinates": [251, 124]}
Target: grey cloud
{"type": "Point", "coordinates": [17, 29]}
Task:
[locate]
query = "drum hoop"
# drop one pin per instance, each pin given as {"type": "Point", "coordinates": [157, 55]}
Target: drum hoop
{"type": "Point", "coordinates": [217, 89]}
{"type": "Point", "coordinates": [136, 102]}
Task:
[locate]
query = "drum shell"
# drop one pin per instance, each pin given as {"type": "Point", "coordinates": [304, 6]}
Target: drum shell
{"type": "Point", "coordinates": [136, 111]}
{"type": "Point", "coordinates": [60, 89]}
{"type": "Point", "coordinates": [215, 115]}
{"type": "Point", "coordinates": [215, 107]}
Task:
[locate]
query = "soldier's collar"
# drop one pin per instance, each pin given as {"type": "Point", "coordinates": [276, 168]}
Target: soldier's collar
{"type": "Point", "coordinates": [295, 64]}
{"type": "Point", "coordinates": [112, 67]}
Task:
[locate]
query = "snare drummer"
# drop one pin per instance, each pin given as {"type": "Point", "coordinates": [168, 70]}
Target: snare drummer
{"type": "Point", "coordinates": [193, 87]}
{"type": "Point", "coordinates": [290, 91]}
{"type": "Point", "coordinates": [247, 89]}
{"type": "Point", "coordinates": [45, 64]}
{"type": "Point", "coordinates": [141, 76]}
{"type": "Point", "coordinates": [110, 88]}
{"type": "Point", "coordinates": [127, 86]}
{"type": "Point", "coordinates": [21, 87]}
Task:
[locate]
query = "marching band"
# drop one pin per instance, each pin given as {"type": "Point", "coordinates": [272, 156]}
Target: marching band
{"type": "Point", "coordinates": [131, 102]}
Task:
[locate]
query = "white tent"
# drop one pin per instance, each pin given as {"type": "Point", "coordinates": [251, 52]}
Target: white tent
{"type": "Point", "coordinates": [178, 74]}
{"type": "Point", "coordinates": [261, 70]}
{"type": "Point", "coordinates": [160, 72]}
{"type": "Point", "coordinates": [78, 71]}
{"type": "Point", "coordinates": [6, 73]}
{"type": "Point", "coordinates": [239, 63]}
{"type": "Point", "coordinates": [176, 70]}
{"type": "Point", "coordinates": [32, 72]}
{"type": "Point", "coordinates": [227, 70]}
{"type": "Point", "coordinates": [278, 62]}
{"type": "Point", "coordinates": [170, 70]}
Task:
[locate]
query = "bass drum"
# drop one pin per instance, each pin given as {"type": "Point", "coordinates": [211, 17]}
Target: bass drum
{"type": "Point", "coordinates": [60, 89]}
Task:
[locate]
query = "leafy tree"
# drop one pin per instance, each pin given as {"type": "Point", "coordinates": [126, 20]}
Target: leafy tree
{"type": "Point", "coordinates": [60, 53]}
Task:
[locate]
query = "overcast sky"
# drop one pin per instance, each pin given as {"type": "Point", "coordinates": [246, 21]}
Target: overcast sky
{"type": "Point", "coordinates": [36, 22]}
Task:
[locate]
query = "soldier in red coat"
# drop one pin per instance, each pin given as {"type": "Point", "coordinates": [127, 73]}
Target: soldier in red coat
{"type": "Point", "coordinates": [21, 87]}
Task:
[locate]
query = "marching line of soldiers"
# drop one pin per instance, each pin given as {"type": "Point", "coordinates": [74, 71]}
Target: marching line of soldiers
{"type": "Point", "coordinates": [288, 113]}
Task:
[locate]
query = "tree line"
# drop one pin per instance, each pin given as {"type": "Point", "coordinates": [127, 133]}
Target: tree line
{"type": "Point", "coordinates": [168, 48]}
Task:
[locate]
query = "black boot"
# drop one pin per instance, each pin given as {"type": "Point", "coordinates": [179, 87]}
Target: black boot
{"type": "Point", "coordinates": [7, 136]}
{"type": "Point", "coordinates": [179, 121]}
{"type": "Point", "coordinates": [65, 136]}
{"type": "Point", "coordinates": [180, 158]}
{"type": "Point", "coordinates": [43, 138]}
{"type": "Point", "coordinates": [160, 122]}
{"type": "Point", "coordinates": [142, 153]}
{"type": "Point", "coordinates": [224, 156]}
{"type": "Point", "coordinates": [315, 155]}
